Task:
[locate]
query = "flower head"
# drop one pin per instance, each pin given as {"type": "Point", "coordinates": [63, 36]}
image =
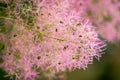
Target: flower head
{"type": "Point", "coordinates": [60, 40]}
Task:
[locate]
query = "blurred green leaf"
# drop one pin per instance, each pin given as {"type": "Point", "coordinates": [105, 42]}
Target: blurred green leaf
{"type": "Point", "coordinates": [2, 29]}
{"type": "Point", "coordinates": [2, 74]}
{"type": "Point", "coordinates": [3, 7]}
{"type": "Point", "coordinates": [1, 46]}
{"type": "Point", "coordinates": [40, 36]}
{"type": "Point", "coordinates": [1, 60]}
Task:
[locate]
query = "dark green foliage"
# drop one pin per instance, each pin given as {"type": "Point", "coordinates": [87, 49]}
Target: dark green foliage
{"type": "Point", "coordinates": [2, 75]}
{"type": "Point", "coordinates": [5, 28]}
{"type": "Point", "coordinates": [3, 8]}
{"type": "Point", "coordinates": [1, 60]}
{"type": "Point", "coordinates": [1, 46]}
{"type": "Point", "coordinates": [2, 29]}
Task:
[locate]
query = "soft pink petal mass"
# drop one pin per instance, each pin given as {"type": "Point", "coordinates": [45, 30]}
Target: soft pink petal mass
{"type": "Point", "coordinates": [65, 37]}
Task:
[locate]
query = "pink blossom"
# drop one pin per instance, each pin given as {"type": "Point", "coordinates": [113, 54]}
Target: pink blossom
{"type": "Point", "coordinates": [105, 15]}
{"type": "Point", "coordinates": [68, 38]}
{"type": "Point", "coordinates": [61, 40]}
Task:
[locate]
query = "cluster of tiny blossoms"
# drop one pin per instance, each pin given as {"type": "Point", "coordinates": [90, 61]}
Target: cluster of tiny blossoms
{"type": "Point", "coordinates": [69, 42]}
{"type": "Point", "coordinates": [60, 40]}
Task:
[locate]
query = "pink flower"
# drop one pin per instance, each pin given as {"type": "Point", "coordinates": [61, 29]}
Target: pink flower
{"type": "Point", "coordinates": [70, 42]}
{"type": "Point", "coordinates": [105, 15]}
{"type": "Point", "coordinates": [61, 40]}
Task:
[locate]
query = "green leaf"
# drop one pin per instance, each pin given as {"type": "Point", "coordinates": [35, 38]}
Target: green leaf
{"type": "Point", "coordinates": [1, 46]}
{"type": "Point", "coordinates": [40, 35]}
{"type": "Point", "coordinates": [3, 8]}
{"type": "Point", "coordinates": [1, 60]}
{"type": "Point", "coordinates": [2, 4]}
{"type": "Point", "coordinates": [2, 29]}
{"type": "Point", "coordinates": [2, 21]}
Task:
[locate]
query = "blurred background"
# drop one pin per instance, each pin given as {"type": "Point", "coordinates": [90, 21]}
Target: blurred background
{"type": "Point", "coordinates": [108, 68]}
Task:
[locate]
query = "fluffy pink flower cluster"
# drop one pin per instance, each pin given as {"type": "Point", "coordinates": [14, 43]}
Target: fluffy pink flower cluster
{"type": "Point", "coordinates": [68, 38]}
{"type": "Point", "coordinates": [61, 40]}
{"type": "Point", "coordinates": [105, 15]}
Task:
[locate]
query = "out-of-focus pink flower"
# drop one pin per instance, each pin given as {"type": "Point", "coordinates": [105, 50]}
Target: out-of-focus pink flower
{"type": "Point", "coordinates": [105, 15]}
{"type": "Point", "coordinates": [108, 33]}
